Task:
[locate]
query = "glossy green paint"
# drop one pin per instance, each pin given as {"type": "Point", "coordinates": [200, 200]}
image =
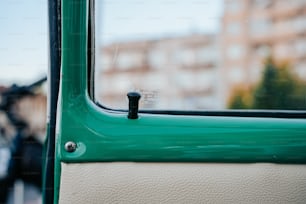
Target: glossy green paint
{"type": "Point", "coordinates": [108, 136]}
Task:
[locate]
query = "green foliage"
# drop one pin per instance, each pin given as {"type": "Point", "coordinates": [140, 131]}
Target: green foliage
{"type": "Point", "coordinates": [242, 99]}
{"type": "Point", "coordinates": [278, 89]}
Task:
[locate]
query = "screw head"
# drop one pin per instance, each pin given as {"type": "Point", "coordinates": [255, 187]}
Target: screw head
{"type": "Point", "coordinates": [70, 146]}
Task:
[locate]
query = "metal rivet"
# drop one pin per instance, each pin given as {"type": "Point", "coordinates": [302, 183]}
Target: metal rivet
{"type": "Point", "coordinates": [70, 146]}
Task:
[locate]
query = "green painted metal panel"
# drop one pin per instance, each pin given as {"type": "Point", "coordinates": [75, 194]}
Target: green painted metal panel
{"type": "Point", "coordinates": [112, 137]}
{"type": "Point", "coordinates": [108, 136]}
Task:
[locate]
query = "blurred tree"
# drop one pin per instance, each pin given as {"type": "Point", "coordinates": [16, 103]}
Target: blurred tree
{"type": "Point", "coordinates": [278, 89]}
{"type": "Point", "coordinates": [241, 99]}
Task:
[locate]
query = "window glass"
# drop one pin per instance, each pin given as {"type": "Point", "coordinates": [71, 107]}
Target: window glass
{"type": "Point", "coordinates": [201, 55]}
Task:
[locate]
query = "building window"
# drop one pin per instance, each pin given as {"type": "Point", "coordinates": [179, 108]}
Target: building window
{"type": "Point", "coordinates": [237, 75]}
{"type": "Point", "coordinates": [262, 51]}
{"type": "Point", "coordinates": [235, 52]}
{"type": "Point", "coordinates": [207, 55]}
{"type": "Point", "coordinates": [300, 47]}
{"type": "Point", "coordinates": [263, 4]}
{"type": "Point", "coordinates": [157, 59]}
{"type": "Point", "coordinates": [128, 61]}
{"type": "Point", "coordinates": [234, 28]}
{"type": "Point", "coordinates": [184, 57]}
{"type": "Point", "coordinates": [260, 26]}
{"type": "Point", "coordinates": [299, 23]}
{"type": "Point", "coordinates": [233, 6]}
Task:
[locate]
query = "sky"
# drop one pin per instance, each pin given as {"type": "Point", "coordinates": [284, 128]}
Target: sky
{"type": "Point", "coordinates": [137, 19]}
{"type": "Point", "coordinates": [24, 29]}
{"type": "Point", "coordinates": [23, 41]}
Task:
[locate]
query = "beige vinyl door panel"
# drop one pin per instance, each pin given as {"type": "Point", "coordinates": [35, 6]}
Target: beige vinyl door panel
{"type": "Point", "coordinates": [182, 183]}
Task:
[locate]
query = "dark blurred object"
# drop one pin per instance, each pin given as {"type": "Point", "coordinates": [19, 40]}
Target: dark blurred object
{"type": "Point", "coordinates": [26, 151]}
{"type": "Point", "coordinates": [278, 89]}
{"type": "Point", "coordinates": [10, 96]}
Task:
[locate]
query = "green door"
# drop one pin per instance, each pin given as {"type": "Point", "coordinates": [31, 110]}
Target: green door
{"type": "Point", "coordinates": [102, 156]}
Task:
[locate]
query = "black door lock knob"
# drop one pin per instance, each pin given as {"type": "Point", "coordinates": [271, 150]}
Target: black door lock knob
{"type": "Point", "coordinates": [133, 104]}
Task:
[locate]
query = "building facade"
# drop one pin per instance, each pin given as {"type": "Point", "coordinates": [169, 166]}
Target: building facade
{"type": "Point", "coordinates": [201, 71]}
{"type": "Point", "coordinates": [170, 73]}
{"type": "Point", "coordinates": [255, 29]}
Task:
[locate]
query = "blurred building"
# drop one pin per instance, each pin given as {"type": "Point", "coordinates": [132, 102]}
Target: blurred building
{"type": "Point", "coordinates": [201, 71]}
{"type": "Point", "coordinates": [170, 73]}
{"type": "Point", "coordinates": [254, 29]}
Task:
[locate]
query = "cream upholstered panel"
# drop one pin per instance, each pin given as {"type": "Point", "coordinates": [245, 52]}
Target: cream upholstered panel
{"type": "Point", "coordinates": [182, 183]}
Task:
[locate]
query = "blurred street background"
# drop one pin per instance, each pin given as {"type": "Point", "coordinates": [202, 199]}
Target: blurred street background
{"type": "Point", "coordinates": [23, 61]}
